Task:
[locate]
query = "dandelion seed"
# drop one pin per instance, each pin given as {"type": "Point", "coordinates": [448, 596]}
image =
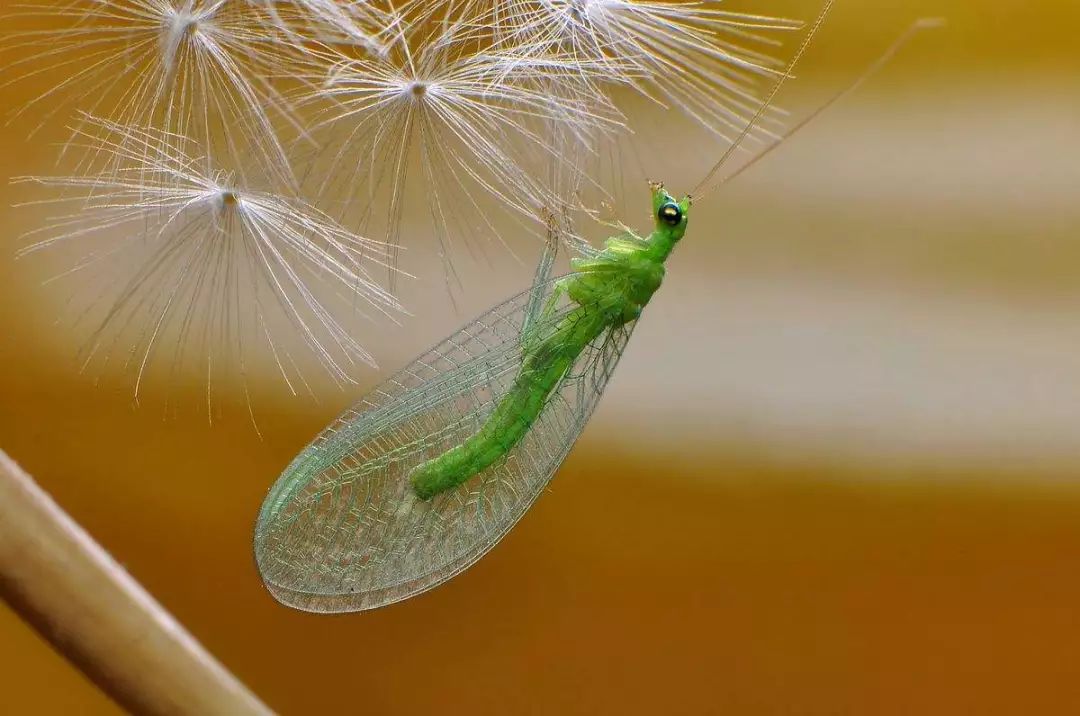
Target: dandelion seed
{"type": "Point", "coordinates": [214, 266]}
{"type": "Point", "coordinates": [685, 54]}
{"type": "Point", "coordinates": [203, 69]}
{"type": "Point", "coordinates": [476, 119]}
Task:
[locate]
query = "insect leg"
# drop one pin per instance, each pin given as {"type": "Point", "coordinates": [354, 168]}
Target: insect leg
{"type": "Point", "coordinates": [543, 273]}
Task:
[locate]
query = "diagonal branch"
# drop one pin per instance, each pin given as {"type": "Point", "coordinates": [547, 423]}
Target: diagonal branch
{"type": "Point", "coordinates": [57, 578]}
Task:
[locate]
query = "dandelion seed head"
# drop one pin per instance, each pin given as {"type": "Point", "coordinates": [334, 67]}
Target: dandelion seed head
{"type": "Point", "coordinates": [206, 273]}
{"type": "Point", "coordinates": [585, 12]}
{"type": "Point", "coordinates": [452, 111]}
{"type": "Point", "coordinates": [205, 70]}
{"type": "Point", "coordinates": [228, 200]}
{"type": "Point", "coordinates": [181, 26]}
{"type": "Point", "coordinates": [692, 57]}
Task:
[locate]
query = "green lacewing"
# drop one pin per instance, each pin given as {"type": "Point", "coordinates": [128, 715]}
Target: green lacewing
{"type": "Point", "coordinates": [428, 472]}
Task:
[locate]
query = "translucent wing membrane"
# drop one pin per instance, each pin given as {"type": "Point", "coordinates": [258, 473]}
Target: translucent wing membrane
{"type": "Point", "coordinates": [342, 530]}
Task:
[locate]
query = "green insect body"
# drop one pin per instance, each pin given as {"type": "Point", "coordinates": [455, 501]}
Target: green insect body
{"type": "Point", "coordinates": [432, 468]}
{"type": "Point", "coordinates": [610, 289]}
{"type": "Point", "coordinates": [515, 414]}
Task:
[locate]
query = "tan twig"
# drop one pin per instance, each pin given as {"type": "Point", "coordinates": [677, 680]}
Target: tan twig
{"type": "Point", "coordinates": [76, 596]}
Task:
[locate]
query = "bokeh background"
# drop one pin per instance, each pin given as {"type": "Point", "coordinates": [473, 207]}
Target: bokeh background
{"type": "Point", "coordinates": [837, 472]}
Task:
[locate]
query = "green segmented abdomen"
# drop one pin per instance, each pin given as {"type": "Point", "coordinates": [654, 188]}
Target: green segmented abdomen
{"type": "Point", "coordinates": [541, 370]}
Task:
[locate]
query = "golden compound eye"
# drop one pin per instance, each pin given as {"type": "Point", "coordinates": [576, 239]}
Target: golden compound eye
{"type": "Point", "coordinates": [670, 214]}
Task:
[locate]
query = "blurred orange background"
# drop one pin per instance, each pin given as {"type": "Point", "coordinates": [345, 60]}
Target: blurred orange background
{"type": "Point", "coordinates": [836, 473]}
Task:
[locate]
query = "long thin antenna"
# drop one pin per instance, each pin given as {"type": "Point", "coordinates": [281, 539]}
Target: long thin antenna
{"type": "Point", "coordinates": [702, 189]}
{"type": "Point", "coordinates": [925, 23]}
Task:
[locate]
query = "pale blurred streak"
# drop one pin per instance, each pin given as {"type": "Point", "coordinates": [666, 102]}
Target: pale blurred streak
{"type": "Point", "coordinates": [808, 370]}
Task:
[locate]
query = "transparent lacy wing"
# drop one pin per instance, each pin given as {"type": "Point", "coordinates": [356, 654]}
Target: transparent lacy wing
{"type": "Point", "coordinates": [341, 529]}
